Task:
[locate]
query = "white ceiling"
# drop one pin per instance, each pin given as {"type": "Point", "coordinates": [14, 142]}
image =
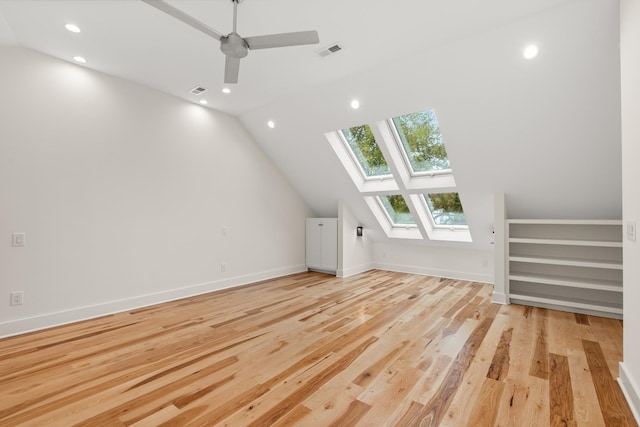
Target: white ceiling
{"type": "Point", "coordinates": [545, 131]}
{"type": "Point", "coordinates": [130, 39]}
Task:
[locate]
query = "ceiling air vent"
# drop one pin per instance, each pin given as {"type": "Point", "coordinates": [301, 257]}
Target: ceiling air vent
{"type": "Point", "coordinates": [198, 90]}
{"type": "Point", "coordinates": [333, 48]}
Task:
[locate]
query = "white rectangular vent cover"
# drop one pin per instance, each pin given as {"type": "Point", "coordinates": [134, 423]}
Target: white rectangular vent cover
{"type": "Point", "coordinates": [198, 90]}
{"type": "Point", "coordinates": [332, 48]}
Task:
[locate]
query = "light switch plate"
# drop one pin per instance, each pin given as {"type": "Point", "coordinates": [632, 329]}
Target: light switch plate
{"type": "Point", "coordinates": [18, 239]}
{"type": "Point", "coordinates": [631, 231]}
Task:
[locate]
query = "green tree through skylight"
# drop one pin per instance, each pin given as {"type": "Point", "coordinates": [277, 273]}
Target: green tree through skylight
{"type": "Point", "coordinates": [446, 208]}
{"type": "Point", "coordinates": [421, 139]}
{"type": "Point", "coordinates": [364, 146]}
{"type": "Point", "coordinates": [397, 208]}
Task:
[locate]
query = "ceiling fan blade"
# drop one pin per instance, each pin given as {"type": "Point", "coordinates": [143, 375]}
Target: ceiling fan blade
{"type": "Point", "coordinates": [231, 70]}
{"type": "Point", "coordinates": [181, 16]}
{"type": "Point", "coordinates": [283, 40]}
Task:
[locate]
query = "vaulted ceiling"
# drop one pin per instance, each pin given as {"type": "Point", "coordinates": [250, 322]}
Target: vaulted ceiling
{"type": "Point", "coordinates": [544, 131]}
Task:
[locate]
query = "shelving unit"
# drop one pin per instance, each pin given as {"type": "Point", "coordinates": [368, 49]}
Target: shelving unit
{"type": "Point", "coordinates": [564, 264]}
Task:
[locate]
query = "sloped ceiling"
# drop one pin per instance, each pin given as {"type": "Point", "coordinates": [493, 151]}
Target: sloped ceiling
{"type": "Point", "coordinates": [546, 131]}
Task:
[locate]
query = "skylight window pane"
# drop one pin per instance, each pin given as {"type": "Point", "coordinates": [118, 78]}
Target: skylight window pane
{"type": "Point", "coordinates": [446, 209]}
{"type": "Point", "coordinates": [364, 147]}
{"type": "Point", "coordinates": [422, 142]}
{"type": "Point", "coordinates": [398, 210]}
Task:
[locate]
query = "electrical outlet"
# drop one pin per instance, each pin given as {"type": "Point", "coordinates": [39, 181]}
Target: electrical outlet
{"type": "Point", "coordinates": [17, 298]}
{"type": "Point", "coordinates": [223, 267]}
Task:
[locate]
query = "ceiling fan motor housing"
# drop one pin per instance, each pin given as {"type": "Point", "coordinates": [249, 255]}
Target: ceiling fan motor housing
{"type": "Point", "coordinates": [234, 46]}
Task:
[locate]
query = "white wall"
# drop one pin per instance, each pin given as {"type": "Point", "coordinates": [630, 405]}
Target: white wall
{"type": "Point", "coordinates": [123, 193]}
{"type": "Point", "coordinates": [545, 132]}
{"type": "Point", "coordinates": [355, 254]}
{"type": "Point", "coordinates": [454, 262]}
{"type": "Point", "coordinates": [630, 70]}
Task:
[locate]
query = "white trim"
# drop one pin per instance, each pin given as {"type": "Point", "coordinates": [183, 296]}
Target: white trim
{"type": "Point", "coordinates": [382, 184]}
{"type": "Point", "coordinates": [499, 298]}
{"type": "Point", "coordinates": [352, 271]}
{"type": "Point", "coordinates": [449, 274]}
{"type": "Point", "coordinates": [44, 321]}
{"type": "Point", "coordinates": [630, 390]}
{"type": "Point", "coordinates": [567, 221]}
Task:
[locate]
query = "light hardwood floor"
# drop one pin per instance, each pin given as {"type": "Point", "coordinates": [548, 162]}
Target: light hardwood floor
{"type": "Point", "coordinates": [376, 349]}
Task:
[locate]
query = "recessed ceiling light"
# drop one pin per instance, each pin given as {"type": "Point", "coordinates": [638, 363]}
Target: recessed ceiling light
{"type": "Point", "coordinates": [530, 51]}
{"type": "Point", "coordinates": [73, 28]}
{"type": "Point", "coordinates": [79, 59]}
{"type": "Point", "coordinates": [203, 102]}
{"type": "Point", "coordinates": [271, 124]}
{"type": "Point", "coordinates": [226, 90]}
{"type": "Point", "coordinates": [355, 104]}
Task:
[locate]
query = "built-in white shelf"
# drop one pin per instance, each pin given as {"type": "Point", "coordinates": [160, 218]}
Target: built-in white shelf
{"type": "Point", "coordinates": [584, 283]}
{"type": "Point", "coordinates": [567, 242]}
{"type": "Point", "coordinates": [565, 264]}
{"type": "Point", "coordinates": [572, 305]}
{"type": "Point", "coordinates": [575, 262]}
{"type": "Point", "coordinates": [572, 222]}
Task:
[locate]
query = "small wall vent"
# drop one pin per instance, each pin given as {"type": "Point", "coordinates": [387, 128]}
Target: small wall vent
{"type": "Point", "coordinates": [326, 51]}
{"type": "Point", "coordinates": [198, 90]}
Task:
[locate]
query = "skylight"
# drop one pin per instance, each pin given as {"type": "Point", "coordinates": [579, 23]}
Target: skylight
{"type": "Point", "coordinates": [397, 210]}
{"type": "Point", "coordinates": [420, 138]}
{"type": "Point", "coordinates": [366, 150]}
{"type": "Point", "coordinates": [445, 209]}
{"type": "Point", "coordinates": [401, 168]}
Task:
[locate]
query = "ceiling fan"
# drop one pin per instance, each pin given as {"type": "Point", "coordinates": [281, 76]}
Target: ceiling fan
{"type": "Point", "coordinates": [233, 45]}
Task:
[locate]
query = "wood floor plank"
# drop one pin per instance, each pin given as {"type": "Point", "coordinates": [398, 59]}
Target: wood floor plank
{"type": "Point", "coordinates": [540, 360]}
{"type": "Point", "coordinates": [295, 398]}
{"type": "Point", "coordinates": [466, 396]}
{"type": "Point", "coordinates": [434, 411]}
{"type": "Point", "coordinates": [485, 410]}
{"type": "Point", "coordinates": [608, 333]}
{"type": "Point", "coordinates": [564, 333]}
{"type": "Point", "coordinates": [587, 413]}
{"type": "Point", "coordinates": [333, 400]}
{"type": "Point", "coordinates": [525, 398]}
{"type": "Point", "coordinates": [376, 349]}
{"type": "Point", "coordinates": [389, 396]}
{"type": "Point", "coordinates": [524, 403]}
{"type": "Point", "coordinates": [614, 408]}
{"type": "Point", "coordinates": [582, 319]}
{"type": "Point", "coordinates": [294, 417]}
{"type": "Point", "coordinates": [500, 364]}
{"type": "Point", "coordinates": [560, 392]}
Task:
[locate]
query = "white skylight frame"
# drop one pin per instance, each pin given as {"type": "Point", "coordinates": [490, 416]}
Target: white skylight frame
{"type": "Point", "coordinates": [451, 233]}
{"type": "Point", "coordinates": [394, 231]}
{"type": "Point", "coordinates": [396, 156]}
{"type": "Point", "coordinates": [403, 181]}
{"type": "Point", "coordinates": [380, 184]}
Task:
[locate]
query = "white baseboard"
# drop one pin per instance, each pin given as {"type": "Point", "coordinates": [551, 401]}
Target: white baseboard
{"type": "Point", "coordinates": [48, 320]}
{"type": "Point", "coordinates": [630, 389]}
{"type": "Point", "coordinates": [352, 271]}
{"type": "Point", "coordinates": [499, 298]}
{"type": "Point", "coordinates": [449, 274]}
